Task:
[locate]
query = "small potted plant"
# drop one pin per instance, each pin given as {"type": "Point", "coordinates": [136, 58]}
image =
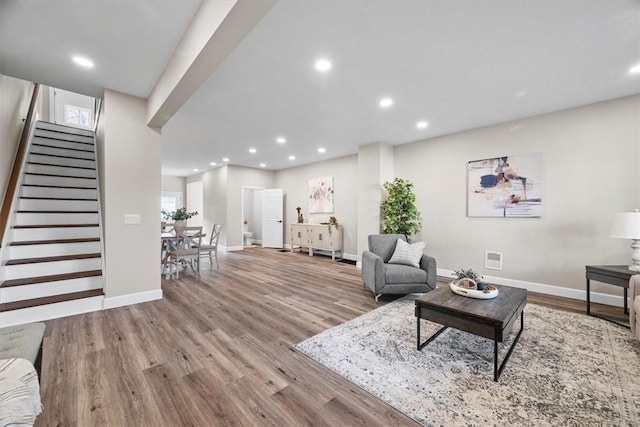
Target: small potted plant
{"type": "Point", "coordinates": [333, 222]}
{"type": "Point", "coordinates": [470, 279]}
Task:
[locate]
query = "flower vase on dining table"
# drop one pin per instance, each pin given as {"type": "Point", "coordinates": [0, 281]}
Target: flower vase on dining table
{"type": "Point", "coordinates": [178, 224]}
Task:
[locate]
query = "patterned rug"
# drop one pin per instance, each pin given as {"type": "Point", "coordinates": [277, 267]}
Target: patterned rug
{"type": "Point", "coordinates": [567, 369]}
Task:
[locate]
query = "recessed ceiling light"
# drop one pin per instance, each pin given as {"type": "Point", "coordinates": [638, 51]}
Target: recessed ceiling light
{"type": "Point", "coordinates": [422, 124]}
{"type": "Point", "coordinates": [262, 165]}
{"type": "Point", "coordinates": [281, 140]}
{"type": "Point", "coordinates": [213, 163]}
{"type": "Point", "coordinates": [321, 150]}
{"type": "Point", "coordinates": [292, 157]}
{"type": "Point", "coordinates": [323, 65]}
{"type": "Point", "coordinates": [635, 69]}
{"type": "Point", "coordinates": [253, 150]}
{"type": "Point", "coordinates": [83, 62]}
{"type": "Point", "coordinates": [225, 159]}
{"type": "Point", "coordinates": [386, 102]}
{"type": "Point", "coordinates": [196, 170]}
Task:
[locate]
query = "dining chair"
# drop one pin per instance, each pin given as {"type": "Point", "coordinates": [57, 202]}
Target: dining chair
{"type": "Point", "coordinates": [184, 250]}
{"type": "Point", "coordinates": [212, 247]}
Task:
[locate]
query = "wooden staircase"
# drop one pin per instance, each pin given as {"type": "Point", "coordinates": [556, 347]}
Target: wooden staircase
{"type": "Point", "coordinates": [52, 260]}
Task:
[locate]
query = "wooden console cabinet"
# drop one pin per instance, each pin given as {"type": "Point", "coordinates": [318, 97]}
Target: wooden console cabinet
{"type": "Point", "coordinates": [316, 236]}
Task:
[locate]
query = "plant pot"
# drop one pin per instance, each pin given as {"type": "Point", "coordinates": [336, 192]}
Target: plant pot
{"type": "Point", "coordinates": [178, 224]}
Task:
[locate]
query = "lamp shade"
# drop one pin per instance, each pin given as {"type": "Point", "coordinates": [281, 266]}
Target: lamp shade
{"type": "Point", "coordinates": [626, 225]}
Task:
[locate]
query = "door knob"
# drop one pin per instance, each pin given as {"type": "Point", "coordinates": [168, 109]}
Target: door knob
{"type": "Point", "coordinates": [280, 221]}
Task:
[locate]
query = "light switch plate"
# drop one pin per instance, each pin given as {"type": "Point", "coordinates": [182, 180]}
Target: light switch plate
{"type": "Point", "coordinates": [131, 219]}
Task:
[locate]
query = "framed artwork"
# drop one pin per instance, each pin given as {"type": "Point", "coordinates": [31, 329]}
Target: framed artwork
{"type": "Point", "coordinates": [321, 195]}
{"type": "Point", "coordinates": [509, 186]}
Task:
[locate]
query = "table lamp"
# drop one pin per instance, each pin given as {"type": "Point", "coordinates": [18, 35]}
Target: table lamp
{"type": "Point", "coordinates": [626, 225]}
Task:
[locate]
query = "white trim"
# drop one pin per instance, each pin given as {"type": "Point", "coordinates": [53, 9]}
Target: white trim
{"type": "Point", "coordinates": [231, 248]}
{"type": "Point", "coordinates": [543, 288]}
{"type": "Point", "coordinates": [350, 257]}
{"type": "Point", "coordinates": [51, 311]}
{"type": "Point", "coordinates": [129, 299]}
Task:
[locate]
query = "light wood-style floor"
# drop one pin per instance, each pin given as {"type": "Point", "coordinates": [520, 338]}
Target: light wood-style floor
{"type": "Point", "coordinates": [216, 351]}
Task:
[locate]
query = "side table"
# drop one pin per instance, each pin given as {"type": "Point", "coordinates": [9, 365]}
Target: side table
{"type": "Point", "coordinates": [617, 275]}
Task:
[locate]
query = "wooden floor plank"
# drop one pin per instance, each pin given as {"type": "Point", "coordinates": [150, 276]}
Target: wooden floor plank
{"type": "Point", "coordinates": [216, 350]}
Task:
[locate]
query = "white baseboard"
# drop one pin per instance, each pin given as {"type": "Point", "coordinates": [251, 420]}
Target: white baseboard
{"type": "Point", "coordinates": [350, 257]}
{"type": "Point", "coordinates": [543, 288]}
{"type": "Point", "coordinates": [231, 248]}
{"type": "Point", "coordinates": [122, 300]}
{"type": "Point", "coordinates": [51, 311]}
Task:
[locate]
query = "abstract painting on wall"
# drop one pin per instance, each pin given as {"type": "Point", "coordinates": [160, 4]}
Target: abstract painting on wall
{"type": "Point", "coordinates": [509, 186]}
{"type": "Point", "coordinates": [321, 195]}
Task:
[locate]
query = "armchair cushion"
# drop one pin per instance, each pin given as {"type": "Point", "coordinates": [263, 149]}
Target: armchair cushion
{"type": "Point", "coordinates": [407, 253]}
{"type": "Point", "coordinates": [397, 273]}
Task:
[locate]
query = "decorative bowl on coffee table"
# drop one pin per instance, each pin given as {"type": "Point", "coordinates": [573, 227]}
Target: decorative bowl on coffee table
{"type": "Point", "coordinates": [468, 288]}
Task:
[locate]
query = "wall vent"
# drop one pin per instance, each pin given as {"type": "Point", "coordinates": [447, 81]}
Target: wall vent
{"type": "Point", "coordinates": [493, 260]}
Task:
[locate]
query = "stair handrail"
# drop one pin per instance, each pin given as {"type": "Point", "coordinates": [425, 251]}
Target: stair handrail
{"type": "Point", "coordinates": [97, 107]}
{"type": "Point", "coordinates": [18, 162]}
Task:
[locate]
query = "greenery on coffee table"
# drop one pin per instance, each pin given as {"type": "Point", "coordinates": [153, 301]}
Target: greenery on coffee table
{"type": "Point", "coordinates": [468, 274]}
{"type": "Point", "coordinates": [399, 212]}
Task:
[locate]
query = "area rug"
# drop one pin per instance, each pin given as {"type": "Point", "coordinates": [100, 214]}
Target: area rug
{"type": "Point", "coordinates": [567, 369]}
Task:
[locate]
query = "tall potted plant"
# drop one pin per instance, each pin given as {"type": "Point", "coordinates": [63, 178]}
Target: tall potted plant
{"type": "Point", "coordinates": [399, 212]}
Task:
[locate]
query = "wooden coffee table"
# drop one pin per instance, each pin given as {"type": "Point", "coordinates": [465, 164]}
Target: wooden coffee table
{"type": "Point", "coordinates": [491, 319]}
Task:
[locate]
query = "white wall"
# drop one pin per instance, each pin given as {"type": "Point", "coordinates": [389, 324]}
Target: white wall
{"type": "Point", "coordinates": [15, 96]}
{"type": "Point", "coordinates": [591, 170]}
{"type": "Point", "coordinates": [295, 182]}
{"type": "Point", "coordinates": [130, 181]}
{"type": "Point", "coordinates": [214, 184]}
{"type": "Point", "coordinates": [175, 184]}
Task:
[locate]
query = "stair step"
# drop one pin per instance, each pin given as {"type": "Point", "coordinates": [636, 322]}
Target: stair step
{"type": "Point", "coordinates": [65, 193]}
{"type": "Point", "coordinates": [57, 205]}
{"type": "Point", "coordinates": [62, 160]}
{"type": "Point", "coordinates": [52, 175]}
{"type": "Point", "coordinates": [54, 226]}
{"type": "Point", "coordinates": [57, 147]}
{"type": "Point", "coordinates": [16, 305]}
{"type": "Point", "coordinates": [61, 166]}
{"type": "Point", "coordinates": [65, 136]}
{"type": "Point", "coordinates": [61, 153]}
{"type": "Point", "coordinates": [64, 143]}
{"type": "Point", "coordinates": [55, 218]}
{"type": "Point", "coordinates": [55, 212]}
{"type": "Point", "coordinates": [64, 232]}
{"type": "Point", "coordinates": [60, 156]}
{"type": "Point", "coordinates": [51, 278]}
{"type": "Point", "coordinates": [51, 259]}
{"type": "Point", "coordinates": [54, 241]}
{"type": "Point", "coordinates": [52, 247]}
{"type": "Point", "coordinates": [59, 186]}
{"type": "Point", "coordinates": [56, 127]}
{"type": "Point", "coordinates": [52, 135]}
{"type": "Point", "coordinates": [75, 199]}
{"type": "Point", "coordinates": [59, 181]}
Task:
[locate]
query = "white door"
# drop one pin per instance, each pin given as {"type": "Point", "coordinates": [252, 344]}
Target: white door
{"type": "Point", "coordinates": [195, 193]}
{"type": "Point", "coordinates": [272, 210]}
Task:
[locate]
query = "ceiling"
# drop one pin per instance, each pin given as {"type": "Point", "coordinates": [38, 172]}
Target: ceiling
{"type": "Point", "coordinates": [456, 64]}
{"type": "Point", "coordinates": [130, 42]}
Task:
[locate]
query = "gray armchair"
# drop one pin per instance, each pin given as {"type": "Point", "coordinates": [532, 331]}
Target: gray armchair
{"type": "Point", "coordinates": [383, 278]}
